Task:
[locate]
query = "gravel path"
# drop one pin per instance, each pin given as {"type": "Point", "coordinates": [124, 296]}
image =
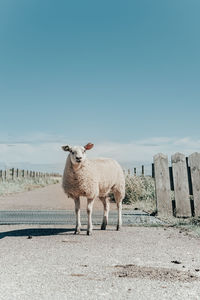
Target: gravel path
{"type": "Point", "coordinates": [49, 262]}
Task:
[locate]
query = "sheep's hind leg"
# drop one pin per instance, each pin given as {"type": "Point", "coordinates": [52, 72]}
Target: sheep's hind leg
{"type": "Point", "coordinates": [119, 223]}
{"type": "Point", "coordinates": [89, 212]}
{"type": "Point", "coordinates": [105, 201]}
{"type": "Point", "coordinates": [118, 198]}
{"type": "Point", "coordinates": [78, 219]}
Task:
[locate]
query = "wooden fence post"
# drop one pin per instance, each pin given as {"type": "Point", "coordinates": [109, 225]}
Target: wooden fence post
{"type": "Point", "coordinates": [181, 188]}
{"type": "Point", "coordinates": [142, 170]}
{"type": "Point", "coordinates": [194, 163]}
{"type": "Point", "coordinates": [162, 184]}
{"type": "Point", "coordinates": [135, 171]}
{"type": "Point", "coordinates": [13, 173]}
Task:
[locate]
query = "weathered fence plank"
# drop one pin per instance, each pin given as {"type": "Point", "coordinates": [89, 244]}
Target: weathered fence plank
{"type": "Point", "coordinates": [181, 189]}
{"type": "Point", "coordinates": [162, 183]}
{"type": "Point", "coordinates": [194, 163]}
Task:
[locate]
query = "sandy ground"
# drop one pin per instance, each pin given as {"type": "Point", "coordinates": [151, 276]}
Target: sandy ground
{"type": "Point", "coordinates": [50, 197]}
{"type": "Point", "coordinates": [49, 262]}
{"type": "Point", "coordinates": [135, 263]}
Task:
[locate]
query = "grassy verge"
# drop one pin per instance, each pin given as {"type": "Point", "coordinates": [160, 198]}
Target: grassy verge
{"type": "Point", "coordinates": [184, 224]}
{"type": "Point", "coordinates": [140, 194]}
{"type": "Point", "coordinates": [25, 184]}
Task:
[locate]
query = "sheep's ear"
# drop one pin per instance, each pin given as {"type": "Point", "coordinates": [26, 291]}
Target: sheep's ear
{"type": "Point", "coordinates": [89, 146]}
{"type": "Point", "coordinates": [66, 148]}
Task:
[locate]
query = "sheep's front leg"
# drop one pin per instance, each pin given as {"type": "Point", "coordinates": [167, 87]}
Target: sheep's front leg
{"type": "Point", "coordinates": [78, 219]}
{"type": "Point", "coordinates": [89, 212]}
{"type": "Point", "coordinates": [106, 205]}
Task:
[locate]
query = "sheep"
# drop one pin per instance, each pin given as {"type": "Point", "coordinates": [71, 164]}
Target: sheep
{"type": "Point", "coordinates": [92, 178]}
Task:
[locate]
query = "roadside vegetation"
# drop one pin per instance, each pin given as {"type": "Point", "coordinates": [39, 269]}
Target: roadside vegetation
{"type": "Point", "coordinates": [185, 225]}
{"type": "Point", "coordinates": [25, 184]}
{"type": "Point", "coordinates": [140, 193]}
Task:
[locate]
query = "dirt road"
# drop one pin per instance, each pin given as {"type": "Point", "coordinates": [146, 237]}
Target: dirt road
{"type": "Point", "coordinates": [50, 197]}
{"type": "Point", "coordinates": [49, 262]}
{"type": "Point", "coordinates": [136, 263]}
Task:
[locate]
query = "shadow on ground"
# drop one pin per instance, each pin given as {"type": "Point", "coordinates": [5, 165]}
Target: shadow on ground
{"type": "Point", "coordinates": [29, 232]}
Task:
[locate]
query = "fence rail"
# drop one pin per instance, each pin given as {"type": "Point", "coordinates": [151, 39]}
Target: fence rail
{"type": "Point", "coordinates": [183, 178]}
{"type": "Point", "coordinates": [12, 174]}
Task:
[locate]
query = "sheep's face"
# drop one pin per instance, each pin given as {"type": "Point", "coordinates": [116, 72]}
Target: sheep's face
{"type": "Point", "coordinates": [77, 153]}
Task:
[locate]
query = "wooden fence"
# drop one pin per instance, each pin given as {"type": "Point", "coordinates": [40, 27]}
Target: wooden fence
{"type": "Point", "coordinates": [182, 179]}
{"type": "Point", "coordinates": [12, 174]}
{"type": "Point", "coordinates": [135, 171]}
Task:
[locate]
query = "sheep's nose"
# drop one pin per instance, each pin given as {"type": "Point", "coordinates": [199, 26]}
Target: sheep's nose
{"type": "Point", "coordinates": [78, 158]}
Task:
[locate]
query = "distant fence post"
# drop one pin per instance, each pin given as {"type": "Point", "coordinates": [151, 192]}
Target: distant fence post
{"type": "Point", "coordinates": [181, 189]}
{"type": "Point", "coordinates": [194, 163]}
{"type": "Point", "coordinates": [162, 184]}
{"type": "Point", "coordinates": [13, 173]}
{"type": "Point", "coordinates": [142, 170]}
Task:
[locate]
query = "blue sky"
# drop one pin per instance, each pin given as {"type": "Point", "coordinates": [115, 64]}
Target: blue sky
{"type": "Point", "coordinates": [109, 72]}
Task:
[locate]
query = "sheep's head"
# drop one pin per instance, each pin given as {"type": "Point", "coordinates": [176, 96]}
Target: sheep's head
{"type": "Point", "coordinates": [77, 153]}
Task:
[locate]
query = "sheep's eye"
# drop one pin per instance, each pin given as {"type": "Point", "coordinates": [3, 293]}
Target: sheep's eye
{"type": "Point", "coordinates": [72, 153]}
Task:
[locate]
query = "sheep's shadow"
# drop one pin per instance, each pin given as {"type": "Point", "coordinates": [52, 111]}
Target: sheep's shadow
{"type": "Point", "coordinates": [30, 232]}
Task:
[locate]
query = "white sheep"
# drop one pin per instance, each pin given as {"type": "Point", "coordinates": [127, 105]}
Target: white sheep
{"type": "Point", "coordinates": [92, 178]}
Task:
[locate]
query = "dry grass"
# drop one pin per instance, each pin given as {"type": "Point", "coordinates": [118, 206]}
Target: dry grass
{"type": "Point", "coordinates": [140, 193]}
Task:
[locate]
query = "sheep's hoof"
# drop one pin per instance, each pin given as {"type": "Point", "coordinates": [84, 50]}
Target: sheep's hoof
{"type": "Point", "coordinates": [118, 227]}
{"type": "Point", "coordinates": [89, 232]}
{"type": "Point", "coordinates": [103, 226]}
{"type": "Point", "coordinates": [77, 231]}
